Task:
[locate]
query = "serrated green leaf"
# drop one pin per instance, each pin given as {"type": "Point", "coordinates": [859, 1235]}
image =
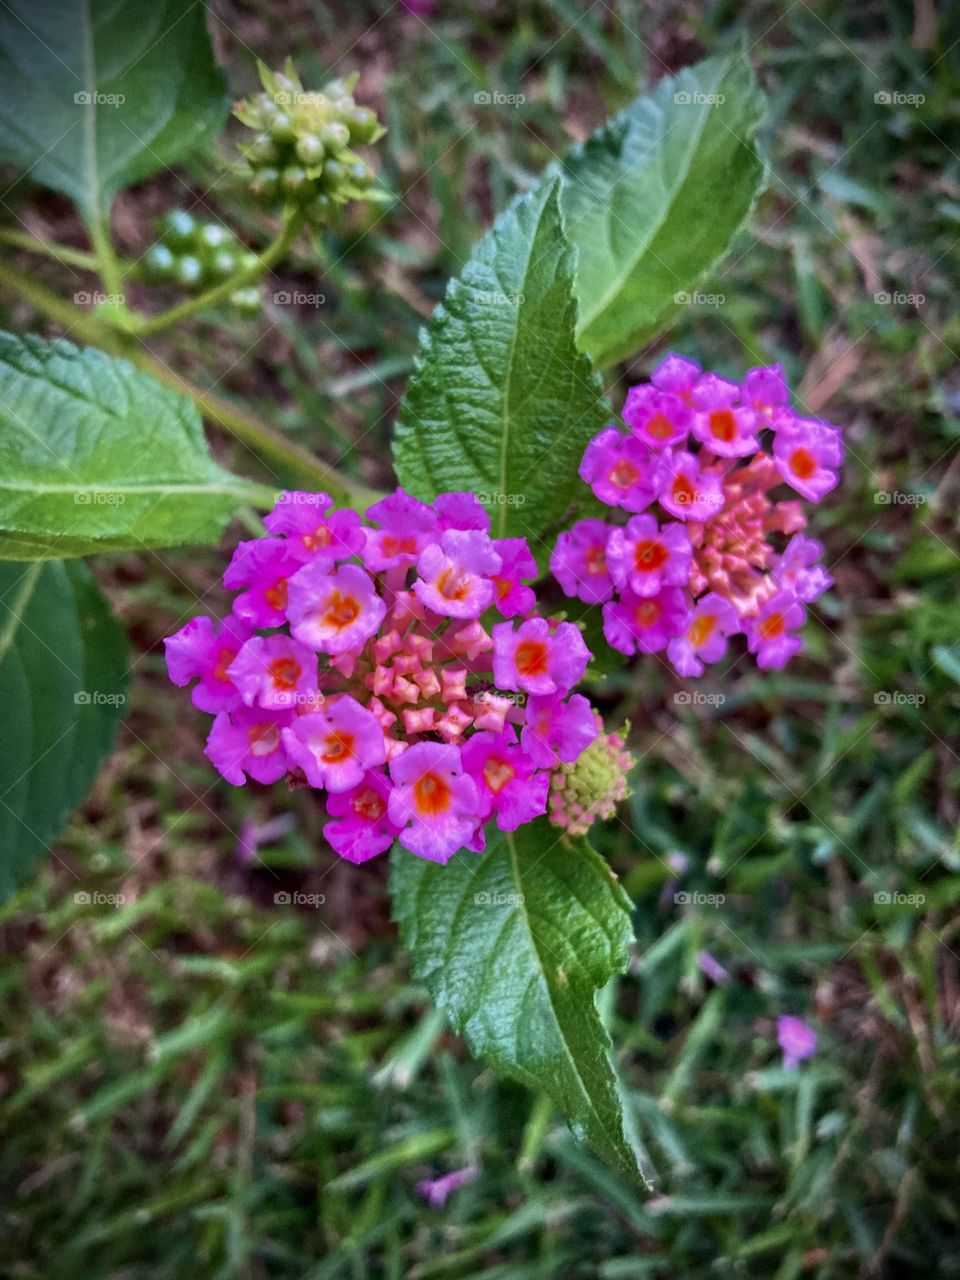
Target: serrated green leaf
{"type": "Point", "coordinates": [63, 687]}
{"type": "Point", "coordinates": [513, 944]}
{"type": "Point", "coordinates": [501, 401]}
{"type": "Point", "coordinates": [654, 197]}
{"type": "Point", "coordinates": [97, 456]}
{"type": "Point", "coordinates": [97, 94]}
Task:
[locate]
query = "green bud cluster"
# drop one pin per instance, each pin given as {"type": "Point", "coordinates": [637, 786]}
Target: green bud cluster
{"type": "Point", "coordinates": [301, 153]}
{"type": "Point", "coordinates": [196, 255]}
{"type": "Point", "coordinates": [593, 785]}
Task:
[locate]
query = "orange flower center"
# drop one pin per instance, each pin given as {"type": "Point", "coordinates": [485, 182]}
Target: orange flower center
{"type": "Point", "coordinates": [370, 805]}
{"type": "Point", "coordinates": [659, 427]}
{"type": "Point", "coordinates": [723, 425]}
{"type": "Point", "coordinates": [452, 585]}
{"type": "Point", "coordinates": [431, 795]}
{"type": "Point", "coordinates": [596, 560]}
{"type": "Point", "coordinates": [263, 739]}
{"type": "Point", "coordinates": [321, 537]}
{"type": "Point", "coordinates": [497, 773]}
{"type": "Point", "coordinates": [623, 474]}
{"type": "Point", "coordinates": [393, 546]}
{"type": "Point", "coordinates": [503, 586]}
{"type": "Point", "coordinates": [276, 596]}
{"type": "Point", "coordinates": [802, 463]}
{"type": "Point", "coordinates": [649, 554]}
{"type": "Point", "coordinates": [648, 612]}
{"type": "Point", "coordinates": [531, 657]}
{"type": "Point", "coordinates": [701, 629]}
{"type": "Point", "coordinates": [284, 673]}
{"type": "Point", "coordinates": [225, 657]}
{"type": "Point", "coordinates": [337, 747]}
{"type": "Point", "coordinates": [773, 626]}
{"type": "Point", "coordinates": [683, 491]}
{"type": "Point", "coordinates": [341, 611]}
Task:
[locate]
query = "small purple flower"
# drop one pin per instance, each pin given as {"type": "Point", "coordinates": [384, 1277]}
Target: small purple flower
{"type": "Point", "coordinates": [687, 492]}
{"type": "Point", "coordinates": [461, 511]}
{"type": "Point", "coordinates": [275, 671]}
{"type": "Point", "coordinates": [765, 391]}
{"type": "Point", "coordinates": [310, 532]}
{"type": "Point", "coordinates": [713, 619]}
{"type": "Point", "coordinates": [454, 574]}
{"type": "Point", "coordinates": [645, 624]}
{"type": "Point", "coordinates": [263, 566]}
{"type": "Point", "coordinates": [406, 526]}
{"type": "Point", "coordinates": [798, 569]}
{"type": "Point", "coordinates": [656, 418]}
{"type": "Point", "coordinates": [333, 612]}
{"type": "Point", "coordinates": [720, 423]}
{"type": "Point", "coordinates": [536, 659]}
{"type": "Point", "coordinates": [768, 634]}
{"type": "Point", "coordinates": [645, 557]}
{"type": "Point", "coordinates": [433, 802]}
{"type": "Point", "coordinates": [798, 1040]}
{"type": "Point", "coordinates": [336, 746]}
{"type": "Point", "coordinates": [438, 1190]}
{"type": "Point", "coordinates": [361, 826]}
{"type": "Point", "coordinates": [202, 651]}
{"type": "Point", "coordinates": [557, 730]}
{"type": "Point", "coordinates": [579, 561]}
{"type": "Point", "coordinates": [714, 970]}
{"type": "Point", "coordinates": [676, 374]}
{"type": "Point", "coordinates": [255, 834]}
{"type": "Point", "coordinates": [621, 471]}
{"type": "Point", "coordinates": [808, 453]}
{"type": "Point", "coordinates": [249, 741]}
{"type": "Point", "coordinates": [516, 564]}
{"type": "Point", "coordinates": [506, 783]}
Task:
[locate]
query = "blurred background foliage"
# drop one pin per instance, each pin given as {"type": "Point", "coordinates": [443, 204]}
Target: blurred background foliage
{"type": "Point", "coordinates": [204, 1081]}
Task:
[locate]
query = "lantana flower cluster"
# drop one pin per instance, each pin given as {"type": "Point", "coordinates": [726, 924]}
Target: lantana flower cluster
{"type": "Point", "coordinates": [703, 541]}
{"type": "Point", "coordinates": [398, 663]}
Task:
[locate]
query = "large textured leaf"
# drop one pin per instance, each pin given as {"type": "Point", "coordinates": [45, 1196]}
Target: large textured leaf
{"type": "Point", "coordinates": [653, 199]}
{"type": "Point", "coordinates": [95, 456]}
{"type": "Point", "coordinates": [63, 687]}
{"type": "Point", "coordinates": [96, 94]}
{"type": "Point", "coordinates": [501, 402]}
{"type": "Point", "coordinates": [513, 944]}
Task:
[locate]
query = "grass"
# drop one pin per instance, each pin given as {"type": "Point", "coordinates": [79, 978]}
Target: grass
{"type": "Point", "coordinates": [203, 1081]}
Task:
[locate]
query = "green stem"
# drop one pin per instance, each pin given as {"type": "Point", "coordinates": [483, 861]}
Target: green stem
{"type": "Point", "coordinates": [34, 244]}
{"type": "Point", "coordinates": [273, 254]}
{"type": "Point", "coordinates": [107, 262]}
{"type": "Point", "coordinates": [246, 426]}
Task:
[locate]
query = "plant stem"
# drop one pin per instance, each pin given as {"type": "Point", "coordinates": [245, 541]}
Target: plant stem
{"type": "Point", "coordinates": [34, 244]}
{"type": "Point", "coordinates": [107, 261]}
{"type": "Point", "coordinates": [246, 426]}
{"type": "Point", "coordinates": [275, 252]}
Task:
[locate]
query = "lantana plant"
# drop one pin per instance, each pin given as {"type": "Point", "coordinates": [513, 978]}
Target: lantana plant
{"type": "Point", "coordinates": [417, 658]}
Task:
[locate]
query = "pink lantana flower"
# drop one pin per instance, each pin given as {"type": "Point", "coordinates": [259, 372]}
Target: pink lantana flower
{"type": "Point", "coordinates": [798, 1040]}
{"type": "Point", "coordinates": [454, 574]}
{"type": "Point", "coordinates": [249, 741]}
{"type": "Point", "coordinates": [434, 803]}
{"type": "Point", "coordinates": [557, 730]}
{"type": "Point", "coordinates": [579, 561]}
{"type": "Point", "coordinates": [275, 671]}
{"type": "Point", "coordinates": [808, 453]}
{"type": "Point", "coordinates": [705, 638]}
{"type": "Point", "coordinates": [333, 612]}
{"type": "Point", "coordinates": [720, 422]}
{"type": "Point", "coordinates": [361, 826]}
{"type": "Point", "coordinates": [461, 511]}
{"type": "Point", "coordinates": [656, 418]}
{"type": "Point", "coordinates": [765, 391]}
{"type": "Point", "coordinates": [203, 651]}
{"type": "Point", "coordinates": [686, 491]}
{"type": "Point", "coordinates": [536, 658]}
{"type": "Point", "coordinates": [336, 745]}
{"type": "Point", "coordinates": [621, 471]}
{"type": "Point", "coordinates": [263, 566]}
{"type": "Point", "coordinates": [798, 569]}
{"type": "Point", "coordinates": [406, 526]}
{"type": "Point", "coordinates": [516, 564]}
{"type": "Point", "coordinates": [645, 624]}
{"type": "Point", "coordinates": [310, 532]}
{"type": "Point", "coordinates": [769, 632]}
{"type": "Point", "coordinates": [676, 374]}
{"type": "Point", "coordinates": [645, 557]}
{"type": "Point", "coordinates": [506, 782]}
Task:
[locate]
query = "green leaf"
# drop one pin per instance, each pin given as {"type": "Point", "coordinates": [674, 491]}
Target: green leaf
{"type": "Point", "coordinates": [96, 456]}
{"type": "Point", "coordinates": [97, 94]}
{"type": "Point", "coordinates": [501, 402]}
{"type": "Point", "coordinates": [63, 688]}
{"type": "Point", "coordinates": [654, 197]}
{"type": "Point", "coordinates": [513, 944]}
